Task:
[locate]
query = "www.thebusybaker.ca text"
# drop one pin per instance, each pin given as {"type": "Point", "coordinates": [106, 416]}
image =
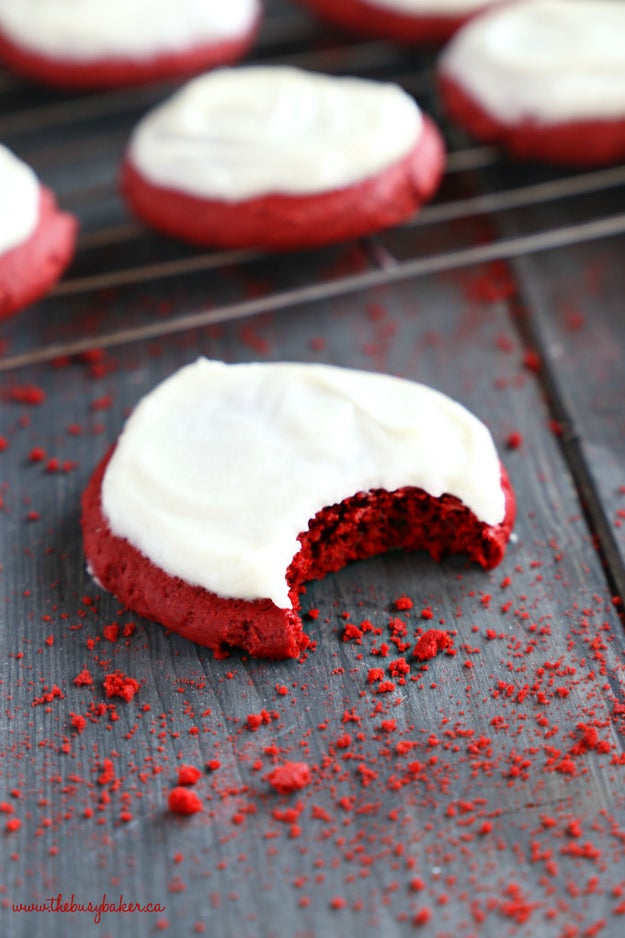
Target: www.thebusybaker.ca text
{"type": "Point", "coordinates": [59, 903]}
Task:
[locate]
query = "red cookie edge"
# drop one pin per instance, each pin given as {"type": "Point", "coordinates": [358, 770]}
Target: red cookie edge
{"type": "Point", "coordinates": [576, 143]}
{"type": "Point", "coordinates": [30, 270]}
{"type": "Point", "coordinates": [360, 17]}
{"type": "Point", "coordinates": [120, 72]}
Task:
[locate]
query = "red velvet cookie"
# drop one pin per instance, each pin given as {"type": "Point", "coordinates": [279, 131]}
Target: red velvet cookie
{"type": "Point", "coordinates": [544, 79]}
{"type": "Point", "coordinates": [250, 595]}
{"type": "Point", "coordinates": [305, 160]}
{"type": "Point", "coordinates": [36, 239]}
{"type": "Point", "coordinates": [406, 21]}
{"type": "Point", "coordinates": [87, 44]}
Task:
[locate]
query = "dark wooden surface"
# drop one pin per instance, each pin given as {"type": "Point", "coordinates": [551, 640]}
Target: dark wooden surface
{"type": "Point", "coordinates": [512, 826]}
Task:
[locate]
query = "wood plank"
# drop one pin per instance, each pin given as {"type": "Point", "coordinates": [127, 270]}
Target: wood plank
{"type": "Point", "coordinates": [574, 303]}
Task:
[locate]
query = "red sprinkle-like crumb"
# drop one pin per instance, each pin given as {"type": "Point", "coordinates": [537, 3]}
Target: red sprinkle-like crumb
{"type": "Point", "coordinates": [78, 722]}
{"type": "Point", "coordinates": [514, 441]}
{"type": "Point", "coordinates": [403, 603]}
{"type": "Point", "coordinates": [531, 360]}
{"type": "Point", "coordinates": [102, 403]}
{"type": "Point", "coordinates": [27, 394]}
{"type": "Point", "coordinates": [255, 720]}
{"type": "Point", "coordinates": [111, 632]}
{"type": "Point", "coordinates": [48, 696]}
{"type": "Point", "coordinates": [83, 679]}
{"type": "Point", "coordinates": [184, 801]}
{"type": "Point", "coordinates": [108, 772]}
{"type": "Point", "coordinates": [430, 643]}
{"type": "Point", "coordinates": [188, 775]}
{"type": "Point", "coordinates": [37, 454]}
{"type": "Point", "coordinates": [118, 684]}
{"type": "Point", "coordinates": [290, 776]}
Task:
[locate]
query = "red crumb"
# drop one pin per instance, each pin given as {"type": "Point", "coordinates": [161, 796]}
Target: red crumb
{"type": "Point", "coordinates": [515, 440]}
{"type": "Point", "coordinates": [111, 632]}
{"type": "Point", "coordinates": [430, 643]}
{"type": "Point", "coordinates": [48, 696]}
{"type": "Point", "coordinates": [78, 722]}
{"type": "Point", "coordinates": [27, 394]}
{"type": "Point", "coordinates": [37, 454]}
{"type": "Point", "coordinates": [255, 720]}
{"type": "Point", "coordinates": [184, 801]}
{"type": "Point", "coordinates": [422, 917]}
{"type": "Point", "coordinates": [83, 679]}
{"type": "Point", "coordinates": [403, 603]}
{"type": "Point", "coordinates": [188, 775]}
{"type": "Point", "coordinates": [118, 684]}
{"type": "Point", "coordinates": [290, 776]}
{"type": "Point", "coordinates": [531, 360]}
{"type": "Point", "coordinates": [102, 403]}
{"type": "Point", "coordinates": [108, 772]}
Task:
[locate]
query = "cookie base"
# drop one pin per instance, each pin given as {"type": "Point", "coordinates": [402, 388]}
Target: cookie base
{"type": "Point", "coordinates": [577, 143]}
{"type": "Point", "coordinates": [360, 527]}
{"type": "Point", "coordinates": [286, 222]}
{"type": "Point", "coordinates": [28, 271]}
{"type": "Point", "coordinates": [111, 72]}
{"type": "Point", "coordinates": [362, 18]}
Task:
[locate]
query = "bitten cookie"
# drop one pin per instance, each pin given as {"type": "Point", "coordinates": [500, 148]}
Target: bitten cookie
{"type": "Point", "coordinates": [232, 485]}
{"type": "Point", "coordinates": [97, 44]}
{"type": "Point", "coordinates": [36, 240]}
{"type": "Point", "coordinates": [543, 78]}
{"type": "Point", "coordinates": [407, 21]}
{"type": "Point", "coordinates": [281, 158]}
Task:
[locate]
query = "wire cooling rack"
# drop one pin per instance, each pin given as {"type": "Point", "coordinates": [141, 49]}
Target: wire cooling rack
{"type": "Point", "coordinates": [75, 143]}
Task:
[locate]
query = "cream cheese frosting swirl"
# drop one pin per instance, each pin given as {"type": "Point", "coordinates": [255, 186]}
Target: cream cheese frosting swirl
{"type": "Point", "coordinates": [82, 30]}
{"type": "Point", "coordinates": [19, 201]}
{"type": "Point", "coordinates": [549, 60]}
{"type": "Point", "coordinates": [240, 133]}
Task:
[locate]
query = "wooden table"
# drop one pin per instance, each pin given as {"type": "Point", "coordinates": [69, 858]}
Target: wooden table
{"type": "Point", "coordinates": [483, 796]}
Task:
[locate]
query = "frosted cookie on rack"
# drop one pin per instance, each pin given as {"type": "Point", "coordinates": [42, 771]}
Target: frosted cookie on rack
{"type": "Point", "coordinates": [409, 21]}
{"type": "Point", "coordinates": [543, 78]}
{"type": "Point", "coordinates": [232, 485]}
{"type": "Point", "coordinates": [281, 158]}
{"type": "Point", "coordinates": [112, 43]}
{"type": "Point", "coordinates": [36, 239]}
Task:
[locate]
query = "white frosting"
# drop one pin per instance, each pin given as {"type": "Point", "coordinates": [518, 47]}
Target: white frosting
{"type": "Point", "coordinates": [240, 133]}
{"type": "Point", "coordinates": [550, 60]}
{"type": "Point", "coordinates": [432, 7]}
{"type": "Point", "coordinates": [88, 29]}
{"type": "Point", "coordinates": [221, 466]}
{"type": "Point", "coordinates": [20, 196]}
